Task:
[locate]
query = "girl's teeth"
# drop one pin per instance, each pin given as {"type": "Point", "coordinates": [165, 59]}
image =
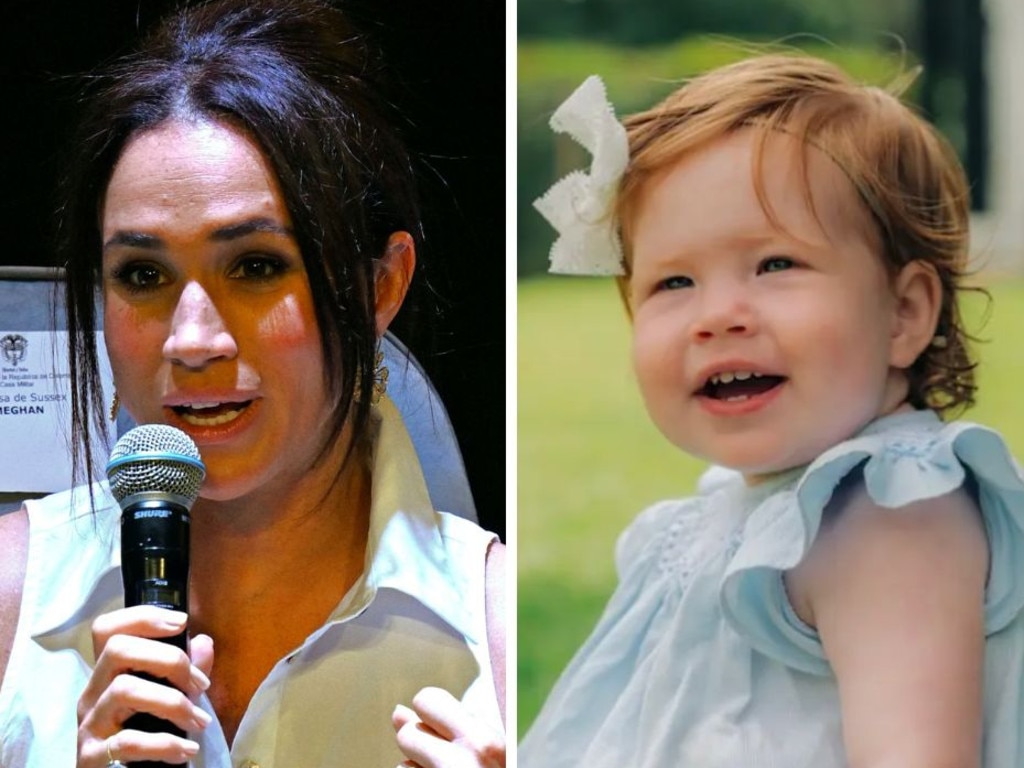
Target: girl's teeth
{"type": "Point", "coordinates": [731, 376]}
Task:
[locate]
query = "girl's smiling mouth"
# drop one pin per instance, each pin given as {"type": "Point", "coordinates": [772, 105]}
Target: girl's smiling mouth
{"type": "Point", "coordinates": [739, 385]}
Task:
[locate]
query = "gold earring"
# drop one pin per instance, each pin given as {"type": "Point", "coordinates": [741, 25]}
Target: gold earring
{"type": "Point", "coordinates": [380, 378]}
{"type": "Point", "coordinates": [940, 342]}
{"type": "Point", "coordinates": [380, 381]}
{"type": "Point", "coordinates": [115, 406]}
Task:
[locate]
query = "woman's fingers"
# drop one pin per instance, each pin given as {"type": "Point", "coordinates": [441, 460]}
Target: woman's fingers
{"type": "Point", "coordinates": [438, 732]}
{"type": "Point", "coordinates": [137, 673]}
{"type": "Point", "coordinates": [139, 620]}
{"type": "Point", "coordinates": [426, 749]}
{"type": "Point", "coordinates": [201, 650]}
{"type": "Point", "coordinates": [123, 642]}
{"type": "Point", "coordinates": [128, 695]}
{"type": "Point", "coordinates": [402, 715]}
{"type": "Point", "coordinates": [130, 746]}
{"type": "Point", "coordinates": [124, 654]}
{"type": "Point", "coordinates": [441, 711]}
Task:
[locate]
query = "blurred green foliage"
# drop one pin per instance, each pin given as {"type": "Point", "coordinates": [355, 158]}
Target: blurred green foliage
{"type": "Point", "coordinates": [643, 22]}
{"type": "Point", "coordinates": [636, 78]}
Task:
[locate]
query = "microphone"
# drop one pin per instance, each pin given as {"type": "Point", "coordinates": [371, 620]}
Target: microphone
{"type": "Point", "coordinates": [155, 473]}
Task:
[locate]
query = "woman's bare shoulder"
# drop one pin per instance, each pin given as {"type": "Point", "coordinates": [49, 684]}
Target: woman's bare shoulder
{"type": "Point", "coordinates": [14, 544]}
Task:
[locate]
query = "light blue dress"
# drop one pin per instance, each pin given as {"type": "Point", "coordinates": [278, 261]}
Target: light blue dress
{"type": "Point", "coordinates": [699, 659]}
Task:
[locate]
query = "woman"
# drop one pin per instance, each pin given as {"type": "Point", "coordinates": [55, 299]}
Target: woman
{"type": "Point", "coordinates": [247, 212]}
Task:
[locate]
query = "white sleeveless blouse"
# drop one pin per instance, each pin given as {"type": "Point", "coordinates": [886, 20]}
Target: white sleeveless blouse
{"type": "Point", "coordinates": [415, 618]}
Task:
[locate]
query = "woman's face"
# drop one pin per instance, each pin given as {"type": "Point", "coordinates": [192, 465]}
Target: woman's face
{"type": "Point", "coordinates": [208, 316]}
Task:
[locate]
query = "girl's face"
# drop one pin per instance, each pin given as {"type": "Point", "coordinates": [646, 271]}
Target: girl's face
{"type": "Point", "coordinates": [208, 316]}
{"type": "Point", "coordinates": [759, 346]}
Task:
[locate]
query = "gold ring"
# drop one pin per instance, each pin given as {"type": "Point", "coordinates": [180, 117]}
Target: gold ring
{"type": "Point", "coordinates": [112, 762]}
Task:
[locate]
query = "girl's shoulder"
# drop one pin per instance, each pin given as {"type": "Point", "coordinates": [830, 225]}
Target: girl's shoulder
{"type": "Point", "coordinates": [897, 461]}
{"type": "Point", "coordinates": [912, 456]}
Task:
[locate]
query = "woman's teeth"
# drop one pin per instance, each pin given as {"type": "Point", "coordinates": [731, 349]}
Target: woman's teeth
{"type": "Point", "coordinates": [210, 414]}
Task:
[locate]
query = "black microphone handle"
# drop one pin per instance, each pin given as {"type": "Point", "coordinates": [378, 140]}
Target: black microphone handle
{"type": "Point", "coordinates": [154, 568]}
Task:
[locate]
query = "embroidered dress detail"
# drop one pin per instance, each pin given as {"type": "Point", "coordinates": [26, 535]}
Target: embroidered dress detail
{"type": "Point", "coordinates": [676, 555]}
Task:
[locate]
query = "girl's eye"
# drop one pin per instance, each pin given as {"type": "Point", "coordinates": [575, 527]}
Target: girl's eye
{"type": "Point", "coordinates": [140, 277]}
{"type": "Point", "coordinates": [258, 268]}
{"type": "Point", "coordinates": [776, 264]}
{"type": "Point", "coordinates": [674, 283]}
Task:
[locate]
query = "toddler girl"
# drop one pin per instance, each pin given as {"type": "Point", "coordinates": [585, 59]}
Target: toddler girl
{"type": "Point", "coordinates": [790, 247]}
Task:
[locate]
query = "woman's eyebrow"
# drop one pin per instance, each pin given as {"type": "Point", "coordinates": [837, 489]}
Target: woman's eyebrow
{"type": "Point", "coordinates": [248, 227]}
{"type": "Point", "coordinates": [134, 240]}
{"type": "Point", "coordinates": [221, 234]}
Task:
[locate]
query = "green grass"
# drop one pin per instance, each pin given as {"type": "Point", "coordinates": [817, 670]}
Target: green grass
{"type": "Point", "coordinates": [589, 459]}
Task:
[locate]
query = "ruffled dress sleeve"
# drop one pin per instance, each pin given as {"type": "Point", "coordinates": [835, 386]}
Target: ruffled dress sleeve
{"type": "Point", "coordinates": [904, 458]}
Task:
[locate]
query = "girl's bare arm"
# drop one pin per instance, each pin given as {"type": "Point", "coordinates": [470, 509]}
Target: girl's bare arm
{"type": "Point", "coordinates": [897, 597]}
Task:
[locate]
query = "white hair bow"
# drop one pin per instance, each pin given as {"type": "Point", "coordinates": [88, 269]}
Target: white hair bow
{"type": "Point", "coordinates": [580, 206]}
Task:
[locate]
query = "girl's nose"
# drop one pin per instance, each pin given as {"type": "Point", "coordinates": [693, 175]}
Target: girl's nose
{"type": "Point", "coordinates": [725, 311]}
{"type": "Point", "coordinates": [198, 334]}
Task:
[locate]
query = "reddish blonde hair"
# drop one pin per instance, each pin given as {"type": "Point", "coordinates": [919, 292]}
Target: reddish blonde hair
{"type": "Point", "coordinates": [907, 176]}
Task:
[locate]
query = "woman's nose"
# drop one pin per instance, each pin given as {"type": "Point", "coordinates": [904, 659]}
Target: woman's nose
{"type": "Point", "coordinates": [198, 334]}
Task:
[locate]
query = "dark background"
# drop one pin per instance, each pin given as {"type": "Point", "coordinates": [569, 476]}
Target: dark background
{"type": "Point", "coordinates": [448, 61]}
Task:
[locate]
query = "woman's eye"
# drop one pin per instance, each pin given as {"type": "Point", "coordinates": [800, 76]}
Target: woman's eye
{"type": "Point", "coordinates": [674, 283]}
{"type": "Point", "coordinates": [258, 268]}
{"type": "Point", "coordinates": [776, 264]}
{"type": "Point", "coordinates": [140, 277]}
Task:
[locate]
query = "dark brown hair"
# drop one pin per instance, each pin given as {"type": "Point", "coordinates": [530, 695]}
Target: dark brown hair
{"type": "Point", "coordinates": [304, 84]}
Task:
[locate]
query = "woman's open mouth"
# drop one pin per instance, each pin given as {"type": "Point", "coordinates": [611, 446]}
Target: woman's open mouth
{"type": "Point", "coordinates": [210, 414]}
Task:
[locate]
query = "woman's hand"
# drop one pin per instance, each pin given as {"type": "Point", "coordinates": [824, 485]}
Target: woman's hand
{"type": "Point", "coordinates": [125, 645]}
{"type": "Point", "coordinates": [438, 732]}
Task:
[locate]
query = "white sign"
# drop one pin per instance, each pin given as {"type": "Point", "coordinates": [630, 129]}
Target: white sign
{"type": "Point", "coordinates": [35, 410]}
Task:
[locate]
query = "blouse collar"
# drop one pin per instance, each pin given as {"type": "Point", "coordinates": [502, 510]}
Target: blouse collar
{"type": "Point", "coordinates": [406, 549]}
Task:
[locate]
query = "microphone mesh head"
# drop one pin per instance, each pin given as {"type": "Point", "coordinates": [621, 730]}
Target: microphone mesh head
{"type": "Point", "coordinates": [155, 457]}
